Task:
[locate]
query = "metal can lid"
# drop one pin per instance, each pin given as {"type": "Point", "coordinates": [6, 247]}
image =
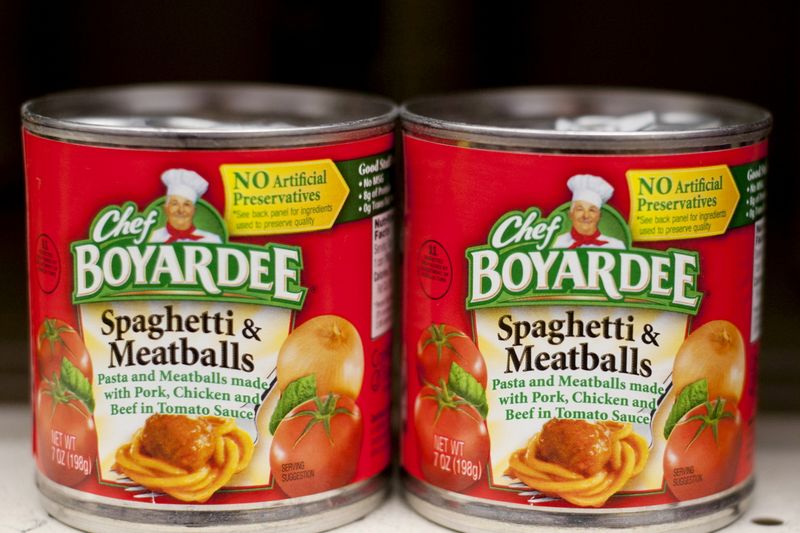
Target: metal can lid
{"type": "Point", "coordinates": [208, 115]}
{"type": "Point", "coordinates": [587, 119]}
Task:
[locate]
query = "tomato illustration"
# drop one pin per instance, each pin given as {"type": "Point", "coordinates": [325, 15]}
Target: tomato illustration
{"type": "Point", "coordinates": [453, 441]}
{"type": "Point", "coordinates": [317, 445]}
{"type": "Point", "coordinates": [703, 450]}
{"type": "Point", "coordinates": [439, 347]}
{"type": "Point", "coordinates": [57, 340]}
{"type": "Point", "coordinates": [66, 436]}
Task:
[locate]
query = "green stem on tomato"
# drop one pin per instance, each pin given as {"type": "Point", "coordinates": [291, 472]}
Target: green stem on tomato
{"type": "Point", "coordinates": [323, 414]}
{"type": "Point", "coordinates": [60, 394]}
{"type": "Point", "coordinates": [715, 413]}
{"type": "Point", "coordinates": [52, 334]}
{"type": "Point", "coordinates": [441, 340]}
{"type": "Point", "coordinates": [445, 399]}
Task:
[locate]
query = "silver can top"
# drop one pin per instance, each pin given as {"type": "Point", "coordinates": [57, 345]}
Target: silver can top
{"type": "Point", "coordinates": [575, 119]}
{"type": "Point", "coordinates": [208, 115]}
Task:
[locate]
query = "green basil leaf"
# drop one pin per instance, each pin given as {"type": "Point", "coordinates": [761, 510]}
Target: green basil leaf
{"type": "Point", "coordinates": [76, 383]}
{"type": "Point", "coordinates": [691, 396]}
{"type": "Point", "coordinates": [465, 385]}
{"type": "Point", "coordinates": [298, 391]}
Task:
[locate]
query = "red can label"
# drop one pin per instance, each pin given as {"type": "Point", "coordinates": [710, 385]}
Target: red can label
{"type": "Point", "coordinates": [581, 330]}
{"type": "Point", "coordinates": [210, 326]}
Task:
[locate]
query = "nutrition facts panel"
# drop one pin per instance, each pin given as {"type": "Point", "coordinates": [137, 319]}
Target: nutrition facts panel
{"type": "Point", "coordinates": [759, 242]}
{"type": "Point", "coordinates": [382, 261]}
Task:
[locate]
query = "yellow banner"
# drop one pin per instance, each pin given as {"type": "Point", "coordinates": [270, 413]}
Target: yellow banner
{"type": "Point", "coordinates": [681, 203]}
{"type": "Point", "coordinates": [276, 198]}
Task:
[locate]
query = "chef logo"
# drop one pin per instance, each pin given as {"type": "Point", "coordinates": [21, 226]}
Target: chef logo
{"type": "Point", "coordinates": [177, 248]}
{"type": "Point", "coordinates": [181, 210]}
{"type": "Point", "coordinates": [580, 253]}
{"type": "Point", "coordinates": [586, 213]}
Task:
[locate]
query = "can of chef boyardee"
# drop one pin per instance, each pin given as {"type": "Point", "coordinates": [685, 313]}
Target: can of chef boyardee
{"type": "Point", "coordinates": [582, 288]}
{"type": "Point", "coordinates": [210, 305]}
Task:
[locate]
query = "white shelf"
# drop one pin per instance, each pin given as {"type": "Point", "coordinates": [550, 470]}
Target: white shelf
{"type": "Point", "coordinates": [777, 495]}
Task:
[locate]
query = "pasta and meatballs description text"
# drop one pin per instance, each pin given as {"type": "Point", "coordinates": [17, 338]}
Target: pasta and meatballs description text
{"type": "Point", "coordinates": [180, 357]}
{"type": "Point", "coordinates": [598, 365]}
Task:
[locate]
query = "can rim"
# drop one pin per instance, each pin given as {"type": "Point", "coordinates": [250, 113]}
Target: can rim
{"type": "Point", "coordinates": [369, 115]}
{"type": "Point", "coordinates": [754, 127]}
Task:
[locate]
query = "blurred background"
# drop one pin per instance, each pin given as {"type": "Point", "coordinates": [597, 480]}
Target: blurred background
{"type": "Point", "coordinates": [746, 50]}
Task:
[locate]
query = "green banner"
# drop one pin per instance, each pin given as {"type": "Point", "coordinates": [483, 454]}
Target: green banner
{"type": "Point", "coordinates": [371, 188]}
{"type": "Point", "coordinates": [751, 180]}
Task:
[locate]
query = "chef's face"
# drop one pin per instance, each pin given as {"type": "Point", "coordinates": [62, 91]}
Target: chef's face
{"type": "Point", "coordinates": [179, 211]}
{"type": "Point", "coordinates": [584, 217]}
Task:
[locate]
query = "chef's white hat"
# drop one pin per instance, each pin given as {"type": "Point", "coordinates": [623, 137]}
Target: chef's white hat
{"type": "Point", "coordinates": [592, 189]}
{"type": "Point", "coordinates": [185, 183]}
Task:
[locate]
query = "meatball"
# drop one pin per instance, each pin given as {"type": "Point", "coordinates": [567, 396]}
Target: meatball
{"type": "Point", "coordinates": [577, 445]}
{"type": "Point", "coordinates": [179, 440]}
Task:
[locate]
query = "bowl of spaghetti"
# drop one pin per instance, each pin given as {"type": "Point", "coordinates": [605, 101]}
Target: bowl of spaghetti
{"type": "Point", "coordinates": [188, 458]}
{"type": "Point", "coordinates": [581, 462]}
